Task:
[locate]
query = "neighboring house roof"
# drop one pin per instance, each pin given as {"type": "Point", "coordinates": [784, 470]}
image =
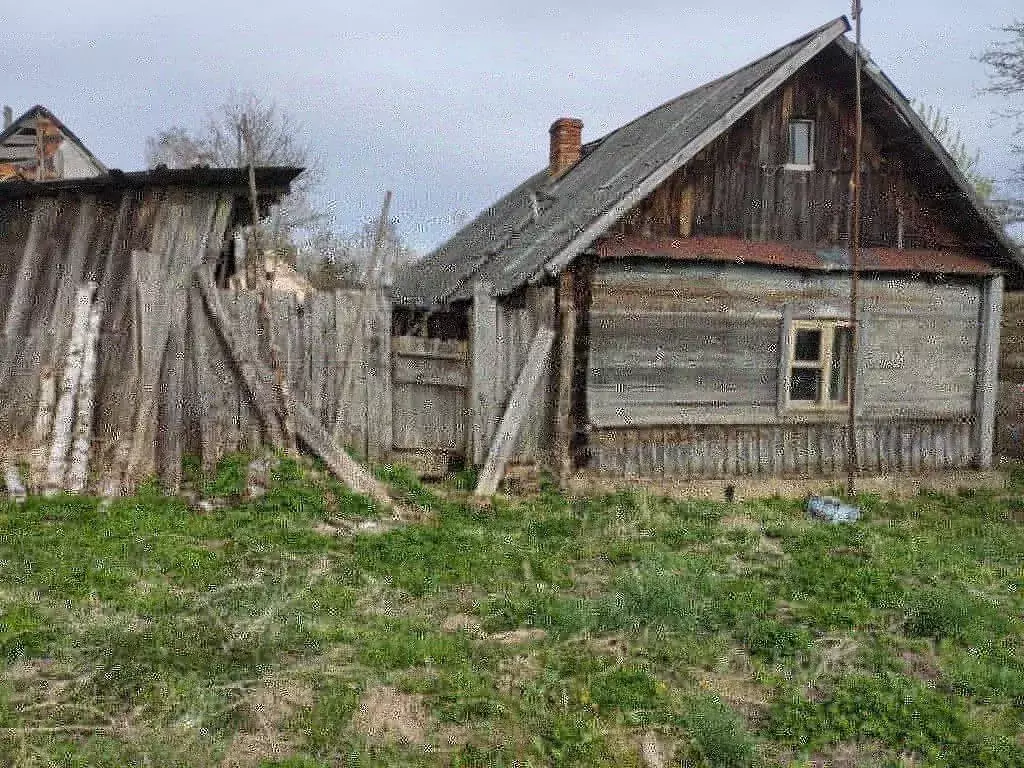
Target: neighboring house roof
{"type": "Point", "coordinates": [542, 225]}
{"type": "Point", "coordinates": [9, 134]}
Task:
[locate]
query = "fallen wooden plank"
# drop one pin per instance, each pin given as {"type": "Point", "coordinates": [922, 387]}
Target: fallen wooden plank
{"type": "Point", "coordinates": [315, 437]}
{"type": "Point", "coordinates": [506, 438]}
{"type": "Point", "coordinates": [262, 396]}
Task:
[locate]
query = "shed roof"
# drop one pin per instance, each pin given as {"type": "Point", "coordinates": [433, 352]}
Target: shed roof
{"type": "Point", "coordinates": [542, 225]}
{"type": "Point", "coordinates": [271, 178]}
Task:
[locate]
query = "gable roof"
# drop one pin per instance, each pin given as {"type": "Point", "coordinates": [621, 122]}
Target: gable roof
{"type": "Point", "coordinates": [542, 225]}
{"type": "Point", "coordinates": [40, 111]}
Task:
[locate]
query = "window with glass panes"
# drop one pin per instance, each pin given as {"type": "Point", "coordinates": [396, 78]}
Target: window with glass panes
{"type": "Point", "coordinates": [801, 145]}
{"type": "Point", "coordinates": [819, 363]}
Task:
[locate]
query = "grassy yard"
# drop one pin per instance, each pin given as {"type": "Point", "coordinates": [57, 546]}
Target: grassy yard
{"type": "Point", "coordinates": [624, 630]}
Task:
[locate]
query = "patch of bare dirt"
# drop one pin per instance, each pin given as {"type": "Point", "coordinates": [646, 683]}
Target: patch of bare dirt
{"type": "Point", "coordinates": [461, 622]}
{"type": "Point", "coordinates": [924, 667]}
{"type": "Point", "coordinates": [247, 750]}
{"type": "Point", "coordinates": [515, 672]}
{"type": "Point", "coordinates": [848, 755]}
{"type": "Point", "coordinates": [265, 708]}
{"type": "Point", "coordinates": [389, 715]}
{"type": "Point", "coordinates": [611, 645]}
{"type": "Point", "coordinates": [518, 636]}
{"type": "Point", "coordinates": [741, 523]}
{"type": "Point", "coordinates": [654, 753]}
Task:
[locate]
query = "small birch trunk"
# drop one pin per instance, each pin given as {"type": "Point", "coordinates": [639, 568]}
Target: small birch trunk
{"type": "Point", "coordinates": [83, 420]}
{"type": "Point", "coordinates": [69, 390]}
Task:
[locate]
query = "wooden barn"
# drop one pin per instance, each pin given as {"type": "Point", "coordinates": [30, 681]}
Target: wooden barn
{"type": "Point", "coordinates": [97, 275]}
{"type": "Point", "coordinates": [672, 300]}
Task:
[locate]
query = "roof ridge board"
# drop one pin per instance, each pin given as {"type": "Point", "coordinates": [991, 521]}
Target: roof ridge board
{"type": "Point", "coordinates": [693, 91]}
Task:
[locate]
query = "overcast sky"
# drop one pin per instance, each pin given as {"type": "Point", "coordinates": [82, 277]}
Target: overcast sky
{"type": "Point", "coordinates": [449, 105]}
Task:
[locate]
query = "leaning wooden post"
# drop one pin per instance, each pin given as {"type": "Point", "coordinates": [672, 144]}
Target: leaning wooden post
{"type": "Point", "coordinates": [379, 411]}
{"type": "Point", "coordinates": [566, 366]}
{"type": "Point", "coordinates": [987, 385]}
{"type": "Point", "coordinates": [485, 370]}
{"type": "Point", "coordinates": [506, 438]}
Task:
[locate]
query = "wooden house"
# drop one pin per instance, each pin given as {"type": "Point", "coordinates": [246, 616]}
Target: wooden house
{"type": "Point", "coordinates": [37, 146]}
{"type": "Point", "coordinates": [672, 299]}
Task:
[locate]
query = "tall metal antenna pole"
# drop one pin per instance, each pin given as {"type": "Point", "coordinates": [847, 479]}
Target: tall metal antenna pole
{"type": "Point", "coordinates": [855, 183]}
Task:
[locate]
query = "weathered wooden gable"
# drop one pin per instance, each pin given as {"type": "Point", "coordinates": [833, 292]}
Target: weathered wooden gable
{"type": "Point", "coordinates": [739, 186]}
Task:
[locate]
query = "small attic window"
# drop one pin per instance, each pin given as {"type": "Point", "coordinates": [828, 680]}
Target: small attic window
{"type": "Point", "coordinates": [801, 145]}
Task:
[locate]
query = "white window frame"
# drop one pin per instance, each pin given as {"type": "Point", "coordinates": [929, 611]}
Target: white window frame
{"type": "Point", "coordinates": [810, 145]}
{"type": "Point", "coordinates": [828, 328]}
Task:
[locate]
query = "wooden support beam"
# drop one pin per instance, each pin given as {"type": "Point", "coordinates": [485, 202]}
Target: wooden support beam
{"type": "Point", "coordinates": [566, 367]}
{"type": "Point", "coordinates": [371, 286]}
{"type": "Point", "coordinates": [485, 370]}
{"type": "Point", "coordinates": [987, 380]}
{"type": "Point", "coordinates": [261, 389]}
{"type": "Point", "coordinates": [507, 438]}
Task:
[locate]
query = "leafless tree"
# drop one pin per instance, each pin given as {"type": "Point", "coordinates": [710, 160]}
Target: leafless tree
{"type": "Point", "coordinates": [949, 136]}
{"type": "Point", "coordinates": [249, 128]}
{"type": "Point", "coordinates": [246, 129]}
{"type": "Point", "coordinates": [1005, 60]}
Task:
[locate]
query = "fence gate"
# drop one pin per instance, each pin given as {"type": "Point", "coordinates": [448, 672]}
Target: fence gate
{"type": "Point", "coordinates": [430, 380]}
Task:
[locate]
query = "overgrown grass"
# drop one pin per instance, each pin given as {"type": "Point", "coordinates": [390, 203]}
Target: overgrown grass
{"type": "Point", "coordinates": [541, 631]}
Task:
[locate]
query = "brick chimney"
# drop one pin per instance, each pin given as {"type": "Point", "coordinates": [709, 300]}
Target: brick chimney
{"type": "Point", "coordinates": [566, 139]}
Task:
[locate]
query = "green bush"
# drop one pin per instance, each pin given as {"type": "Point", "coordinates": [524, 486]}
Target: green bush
{"type": "Point", "coordinates": [571, 741]}
{"type": "Point", "coordinates": [901, 713]}
{"type": "Point", "coordinates": [629, 688]}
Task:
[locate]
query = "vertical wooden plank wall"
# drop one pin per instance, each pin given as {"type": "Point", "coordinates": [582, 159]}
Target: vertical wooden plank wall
{"type": "Point", "coordinates": [486, 383]}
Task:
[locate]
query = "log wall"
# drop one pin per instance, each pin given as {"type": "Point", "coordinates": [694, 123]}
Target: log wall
{"type": "Point", "coordinates": [684, 371]}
